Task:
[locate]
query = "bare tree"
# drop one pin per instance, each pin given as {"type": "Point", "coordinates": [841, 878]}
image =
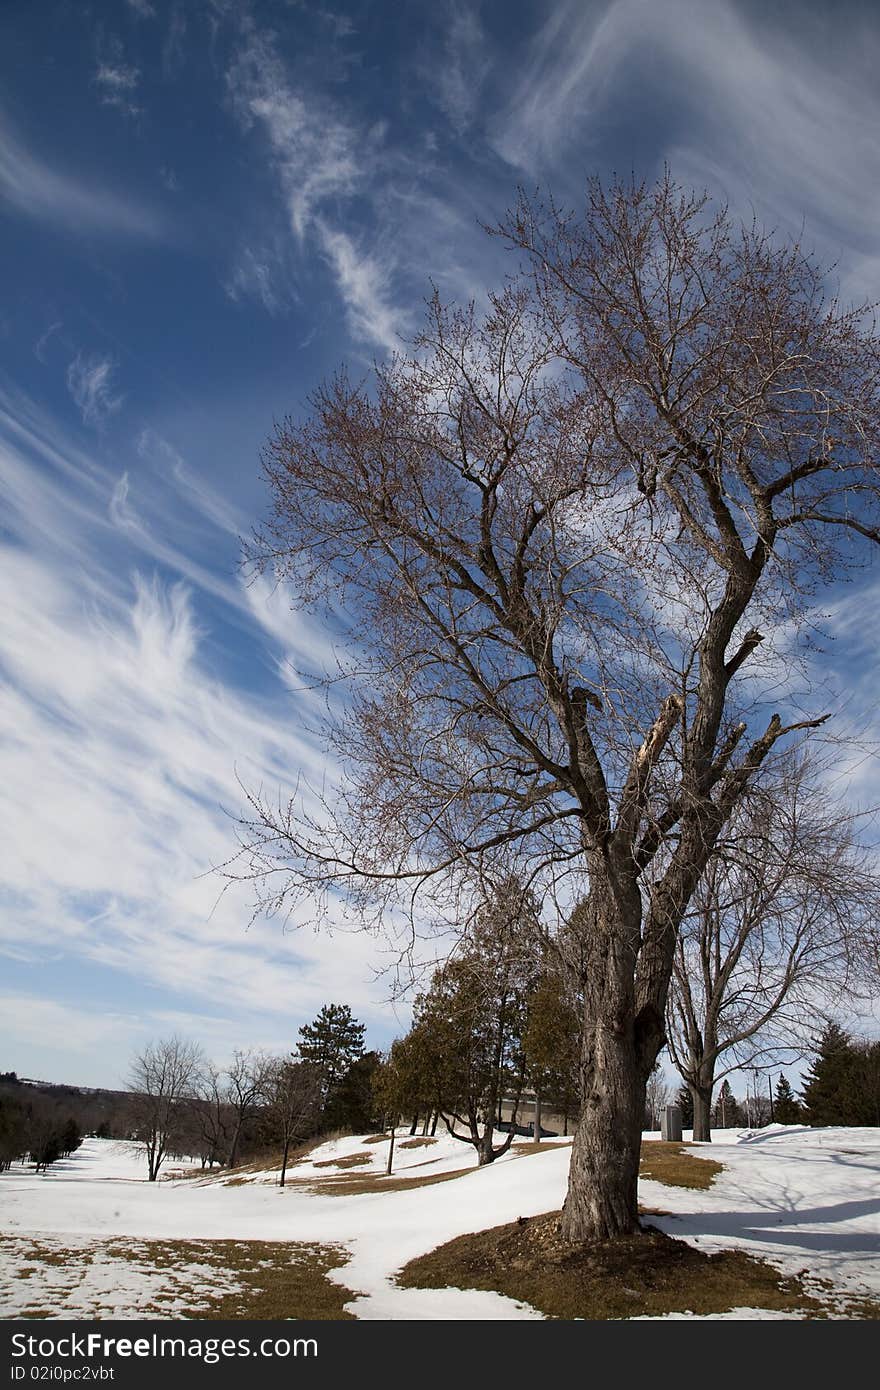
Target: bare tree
{"type": "Point", "coordinates": [292, 1094]}
{"type": "Point", "coordinates": [163, 1079]}
{"type": "Point", "coordinates": [245, 1078]}
{"type": "Point", "coordinates": [657, 1093]}
{"type": "Point", "coordinates": [573, 538]}
{"type": "Point", "coordinates": [775, 937]}
{"type": "Point", "coordinates": [212, 1116]}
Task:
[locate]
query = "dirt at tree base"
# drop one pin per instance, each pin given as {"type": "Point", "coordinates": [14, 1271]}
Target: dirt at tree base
{"type": "Point", "coordinates": [648, 1273]}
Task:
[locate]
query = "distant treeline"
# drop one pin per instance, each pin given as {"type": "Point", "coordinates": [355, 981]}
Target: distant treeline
{"type": "Point", "coordinates": [42, 1122]}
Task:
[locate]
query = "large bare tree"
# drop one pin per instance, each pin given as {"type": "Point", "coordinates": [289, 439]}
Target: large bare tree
{"type": "Point", "coordinates": [776, 934]}
{"type": "Point", "coordinates": [571, 538]}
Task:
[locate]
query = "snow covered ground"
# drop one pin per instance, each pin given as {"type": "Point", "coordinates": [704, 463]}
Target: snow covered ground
{"type": "Point", "coordinates": [806, 1200]}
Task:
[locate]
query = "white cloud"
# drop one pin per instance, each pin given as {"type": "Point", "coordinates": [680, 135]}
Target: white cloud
{"type": "Point", "coordinates": [363, 284]}
{"type": "Point", "coordinates": [319, 159]}
{"type": "Point", "coordinates": [44, 338]}
{"type": "Point", "coordinates": [572, 60]}
{"type": "Point", "coordinates": [117, 78]}
{"type": "Point", "coordinates": [318, 156]}
{"type": "Point", "coordinates": [122, 750]}
{"type": "Point", "coordinates": [260, 274]}
{"type": "Point", "coordinates": [39, 1022]}
{"type": "Point", "coordinates": [457, 77]}
{"type": "Point", "coordinates": [762, 117]}
{"type": "Point", "coordinates": [40, 192]}
{"type": "Point", "coordinates": [89, 383]}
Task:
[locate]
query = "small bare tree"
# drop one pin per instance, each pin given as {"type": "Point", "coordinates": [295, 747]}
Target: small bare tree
{"type": "Point", "coordinates": [776, 933]}
{"type": "Point", "coordinates": [292, 1095]}
{"type": "Point", "coordinates": [212, 1116]}
{"type": "Point", "coordinates": [657, 1093]}
{"type": "Point", "coordinates": [245, 1078]}
{"type": "Point", "coordinates": [568, 536]}
{"type": "Point", "coordinates": [163, 1079]}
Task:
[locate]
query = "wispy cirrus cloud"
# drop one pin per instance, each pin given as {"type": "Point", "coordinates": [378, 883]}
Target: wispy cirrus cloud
{"type": "Point", "coordinates": [457, 78]}
{"type": "Point", "coordinates": [123, 749]}
{"type": "Point", "coordinates": [89, 381]}
{"type": "Point", "coordinates": [260, 273]}
{"type": "Point", "coordinates": [320, 160]}
{"type": "Point", "coordinates": [36, 190]}
{"type": "Point", "coordinates": [772, 125]}
{"type": "Point", "coordinates": [363, 282]}
{"type": "Point", "coordinates": [117, 83]}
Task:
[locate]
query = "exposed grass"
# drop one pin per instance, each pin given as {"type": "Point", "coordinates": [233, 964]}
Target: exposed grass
{"type": "Point", "coordinates": [528, 1146]}
{"type": "Point", "coordinates": [649, 1273]}
{"type": "Point", "coordinates": [377, 1182]}
{"type": "Point", "coordinates": [267, 1162]}
{"type": "Point", "coordinates": [349, 1161]}
{"type": "Point", "coordinates": [378, 1139]}
{"type": "Point", "coordinates": [272, 1279]}
{"type": "Point", "coordinates": [421, 1143]}
{"type": "Point", "coordinates": [674, 1165]}
{"type": "Point", "coordinates": [277, 1280]}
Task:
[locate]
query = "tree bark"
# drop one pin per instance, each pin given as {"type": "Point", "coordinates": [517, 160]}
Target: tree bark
{"type": "Point", "coordinates": [619, 1046]}
{"type": "Point", "coordinates": [391, 1146]}
{"type": "Point", "coordinates": [602, 1197]}
{"type": "Point", "coordinates": [284, 1162]}
{"type": "Point", "coordinates": [702, 1098]}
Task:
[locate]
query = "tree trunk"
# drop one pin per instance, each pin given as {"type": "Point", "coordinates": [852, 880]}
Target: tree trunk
{"type": "Point", "coordinates": [391, 1149]}
{"type": "Point", "coordinates": [284, 1162]}
{"type": "Point", "coordinates": [618, 1049]}
{"type": "Point", "coordinates": [602, 1197]}
{"type": "Point", "coordinates": [702, 1098]}
{"type": "Point", "coordinates": [233, 1148]}
{"type": "Point", "coordinates": [415, 1124]}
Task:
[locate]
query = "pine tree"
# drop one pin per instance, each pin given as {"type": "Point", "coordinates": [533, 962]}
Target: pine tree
{"type": "Point", "coordinates": [333, 1042]}
{"type": "Point", "coordinates": [726, 1108]}
{"type": "Point", "coordinates": [352, 1103]}
{"type": "Point", "coordinates": [828, 1096]}
{"type": "Point", "coordinates": [685, 1102]}
{"type": "Point", "coordinates": [786, 1110]}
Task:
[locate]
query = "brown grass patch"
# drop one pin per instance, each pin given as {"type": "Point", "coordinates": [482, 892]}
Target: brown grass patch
{"type": "Point", "coordinates": [278, 1280]}
{"type": "Point", "coordinates": [377, 1182]}
{"type": "Point", "coordinates": [378, 1139]}
{"type": "Point", "coordinates": [349, 1161]}
{"type": "Point", "coordinates": [528, 1146]}
{"type": "Point", "coordinates": [421, 1143]}
{"type": "Point", "coordinates": [275, 1280]}
{"type": "Point", "coordinates": [674, 1165]}
{"type": "Point", "coordinates": [649, 1273]}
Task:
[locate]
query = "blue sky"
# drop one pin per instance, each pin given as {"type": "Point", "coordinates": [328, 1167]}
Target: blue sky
{"type": "Point", "coordinates": [204, 207]}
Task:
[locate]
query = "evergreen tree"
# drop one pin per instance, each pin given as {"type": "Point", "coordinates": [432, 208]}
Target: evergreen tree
{"type": "Point", "coordinates": [352, 1103]}
{"type": "Point", "coordinates": [70, 1137]}
{"type": "Point", "coordinates": [333, 1042]}
{"type": "Point", "coordinates": [726, 1109]}
{"type": "Point", "coordinates": [551, 1045]}
{"type": "Point", "coordinates": [786, 1110]}
{"type": "Point", "coordinates": [828, 1097]}
{"type": "Point", "coordinates": [685, 1102]}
